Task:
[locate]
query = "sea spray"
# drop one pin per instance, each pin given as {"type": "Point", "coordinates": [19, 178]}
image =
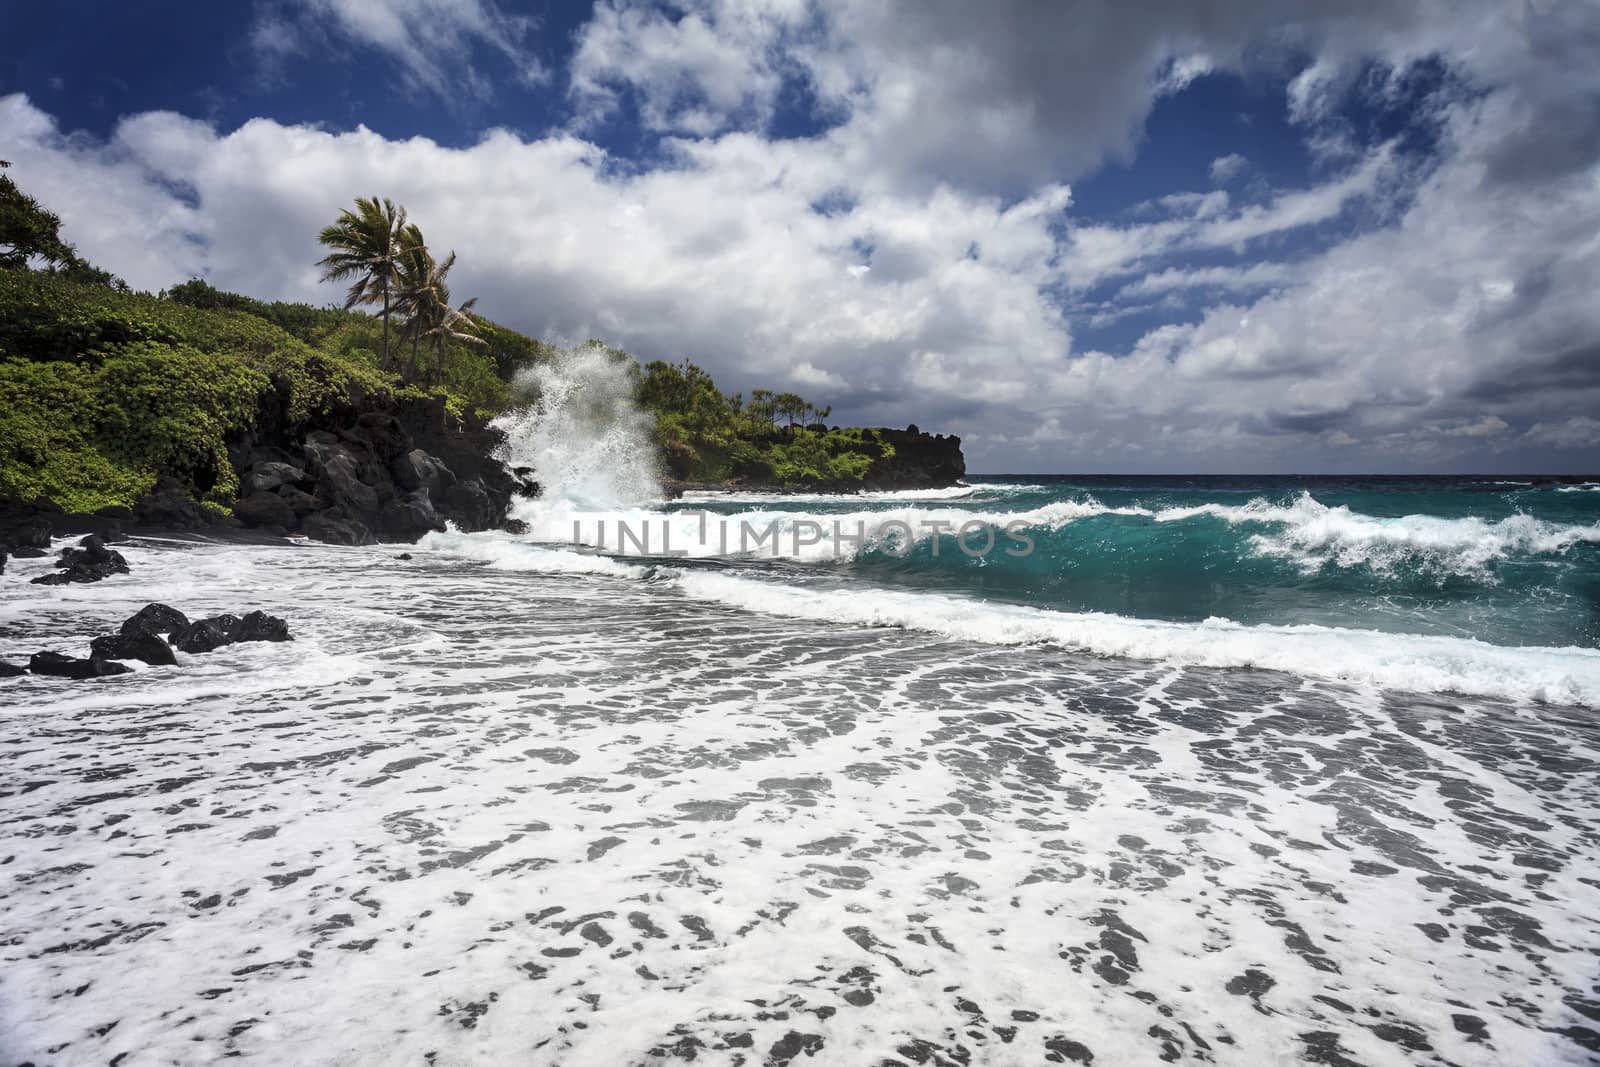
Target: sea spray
{"type": "Point", "coordinates": [582, 432]}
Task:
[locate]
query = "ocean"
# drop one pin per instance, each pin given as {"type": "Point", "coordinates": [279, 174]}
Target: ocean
{"type": "Point", "coordinates": [1232, 771]}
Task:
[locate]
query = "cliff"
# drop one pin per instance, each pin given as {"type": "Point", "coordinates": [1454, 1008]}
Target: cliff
{"type": "Point", "coordinates": [918, 461]}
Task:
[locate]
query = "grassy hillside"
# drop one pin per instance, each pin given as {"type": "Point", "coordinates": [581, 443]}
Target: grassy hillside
{"type": "Point", "coordinates": [104, 389]}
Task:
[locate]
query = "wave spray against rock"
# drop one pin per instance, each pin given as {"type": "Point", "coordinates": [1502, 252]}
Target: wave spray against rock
{"type": "Point", "coordinates": [588, 442]}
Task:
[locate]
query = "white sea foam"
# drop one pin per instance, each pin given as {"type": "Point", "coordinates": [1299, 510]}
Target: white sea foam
{"type": "Point", "coordinates": [1313, 534]}
{"type": "Point", "coordinates": [752, 496]}
{"type": "Point", "coordinates": [587, 441]}
{"type": "Point", "coordinates": [517, 819]}
{"type": "Point", "coordinates": [1388, 660]}
{"type": "Point", "coordinates": [778, 533]}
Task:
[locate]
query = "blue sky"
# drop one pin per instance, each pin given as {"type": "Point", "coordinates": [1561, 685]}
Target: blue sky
{"type": "Point", "coordinates": [1088, 236]}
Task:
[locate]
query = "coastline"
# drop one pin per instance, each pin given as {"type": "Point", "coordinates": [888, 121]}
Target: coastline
{"type": "Point", "coordinates": [565, 832]}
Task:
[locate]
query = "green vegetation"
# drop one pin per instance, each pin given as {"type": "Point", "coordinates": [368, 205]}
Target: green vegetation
{"type": "Point", "coordinates": [103, 389]}
{"type": "Point", "coordinates": [706, 435]}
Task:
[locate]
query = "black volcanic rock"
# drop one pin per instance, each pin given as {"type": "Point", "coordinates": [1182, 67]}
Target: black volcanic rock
{"type": "Point", "coordinates": [337, 527]}
{"type": "Point", "coordinates": [373, 468]}
{"type": "Point", "coordinates": [259, 626]}
{"type": "Point", "coordinates": [418, 470]}
{"type": "Point", "coordinates": [300, 502]}
{"type": "Point", "coordinates": [206, 635]}
{"type": "Point", "coordinates": [11, 670]}
{"type": "Point", "coordinates": [145, 647]}
{"type": "Point", "coordinates": [338, 474]}
{"type": "Point", "coordinates": [91, 561]}
{"type": "Point", "coordinates": [59, 666]}
{"type": "Point", "coordinates": [168, 507]}
{"type": "Point", "coordinates": [265, 508]}
{"type": "Point", "coordinates": [269, 475]}
{"type": "Point", "coordinates": [154, 619]}
{"type": "Point", "coordinates": [920, 461]}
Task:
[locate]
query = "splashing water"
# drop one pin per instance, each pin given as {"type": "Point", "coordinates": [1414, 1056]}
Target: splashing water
{"type": "Point", "coordinates": [588, 442]}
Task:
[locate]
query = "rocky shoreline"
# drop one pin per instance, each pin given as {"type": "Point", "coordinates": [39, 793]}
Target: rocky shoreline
{"type": "Point", "coordinates": [387, 471]}
{"type": "Point", "coordinates": [370, 472]}
{"type": "Point", "coordinates": [149, 636]}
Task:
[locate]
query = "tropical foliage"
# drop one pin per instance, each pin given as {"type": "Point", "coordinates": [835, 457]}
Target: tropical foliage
{"type": "Point", "coordinates": [367, 248]}
{"type": "Point", "coordinates": [102, 389]}
{"type": "Point", "coordinates": [772, 438]}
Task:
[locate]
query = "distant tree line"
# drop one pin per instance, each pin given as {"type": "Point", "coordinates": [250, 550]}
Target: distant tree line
{"type": "Point", "coordinates": [708, 435]}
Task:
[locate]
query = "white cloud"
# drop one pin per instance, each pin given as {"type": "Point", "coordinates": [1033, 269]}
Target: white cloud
{"type": "Point", "coordinates": [698, 74]}
{"type": "Point", "coordinates": [432, 41]}
{"type": "Point", "coordinates": [1577, 432]}
{"type": "Point", "coordinates": [808, 375]}
{"type": "Point", "coordinates": [1226, 168]}
{"type": "Point", "coordinates": [1456, 319]}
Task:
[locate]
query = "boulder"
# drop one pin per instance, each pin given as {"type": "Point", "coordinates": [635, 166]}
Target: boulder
{"type": "Point", "coordinates": [469, 504]}
{"type": "Point", "coordinates": [2, 560]}
{"type": "Point", "coordinates": [59, 666]}
{"type": "Point", "coordinates": [154, 619]}
{"type": "Point", "coordinates": [206, 635]}
{"type": "Point", "coordinates": [269, 476]}
{"type": "Point", "coordinates": [339, 475]}
{"type": "Point", "coordinates": [418, 470]}
{"type": "Point", "coordinates": [31, 533]}
{"type": "Point", "coordinates": [338, 527]}
{"type": "Point", "coordinates": [91, 561]}
{"type": "Point", "coordinates": [300, 502]}
{"type": "Point", "coordinates": [265, 508]}
{"type": "Point", "coordinates": [11, 670]}
{"type": "Point", "coordinates": [409, 517]}
{"type": "Point", "coordinates": [259, 626]}
{"type": "Point", "coordinates": [168, 507]}
{"type": "Point", "coordinates": [145, 647]}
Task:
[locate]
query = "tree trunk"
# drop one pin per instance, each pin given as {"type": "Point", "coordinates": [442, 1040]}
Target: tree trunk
{"type": "Point", "coordinates": [386, 321]}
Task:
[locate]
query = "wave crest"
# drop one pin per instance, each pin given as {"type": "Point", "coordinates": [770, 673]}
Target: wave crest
{"type": "Point", "coordinates": [1314, 535]}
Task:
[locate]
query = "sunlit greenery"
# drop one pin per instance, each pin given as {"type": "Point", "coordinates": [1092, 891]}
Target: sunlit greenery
{"type": "Point", "coordinates": [103, 390]}
{"type": "Point", "coordinates": [771, 438]}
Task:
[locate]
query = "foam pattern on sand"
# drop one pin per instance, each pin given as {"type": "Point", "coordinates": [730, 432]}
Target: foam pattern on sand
{"type": "Point", "coordinates": [474, 815]}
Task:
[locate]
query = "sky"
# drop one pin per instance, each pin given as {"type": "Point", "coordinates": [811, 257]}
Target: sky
{"type": "Point", "coordinates": [1274, 236]}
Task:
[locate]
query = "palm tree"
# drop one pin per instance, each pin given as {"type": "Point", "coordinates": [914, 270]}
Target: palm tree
{"type": "Point", "coordinates": [414, 281]}
{"type": "Point", "coordinates": [367, 246]}
{"type": "Point", "coordinates": [451, 324]}
{"type": "Point", "coordinates": [424, 297]}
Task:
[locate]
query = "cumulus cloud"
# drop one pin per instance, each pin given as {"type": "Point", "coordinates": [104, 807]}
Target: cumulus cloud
{"type": "Point", "coordinates": [901, 265]}
{"type": "Point", "coordinates": [1580, 431]}
{"type": "Point", "coordinates": [1000, 96]}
